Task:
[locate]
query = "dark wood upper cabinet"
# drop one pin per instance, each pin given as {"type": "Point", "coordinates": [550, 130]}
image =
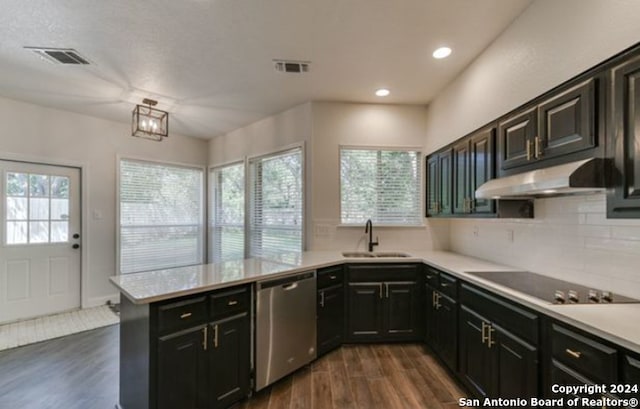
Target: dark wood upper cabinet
{"type": "Point", "coordinates": [562, 126]}
{"type": "Point", "coordinates": [439, 183]}
{"type": "Point", "coordinates": [516, 135]}
{"type": "Point", "coordinates": [461, 176]}
{"type": "Point", "coordinates": [624, 139]}
{"type": "Point", "coordinates": [482, 165]}
{"type": "Point", "coordinates": [567, 121]}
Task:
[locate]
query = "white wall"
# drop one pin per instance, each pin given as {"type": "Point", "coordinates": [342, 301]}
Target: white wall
{"type": "Point", "coordinates": [376, 125]}
{"type": "Point", "coordinates": [47, 135]}
{"type": "Point", "coordinates": [268, 134]}
{"type": "Point", "coordinates": [549, 43]}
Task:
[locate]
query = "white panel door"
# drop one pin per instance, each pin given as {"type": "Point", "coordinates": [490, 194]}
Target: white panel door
{"type": "Point", "coordinates": [40, 249]}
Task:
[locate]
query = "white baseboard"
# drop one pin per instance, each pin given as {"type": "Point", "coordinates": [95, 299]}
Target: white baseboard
{"type": "Point", "coordinates": [98, 301]}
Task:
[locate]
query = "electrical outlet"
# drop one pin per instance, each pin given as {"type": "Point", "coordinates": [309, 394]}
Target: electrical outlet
{"type": "Point", "coordinates": [510, 235]}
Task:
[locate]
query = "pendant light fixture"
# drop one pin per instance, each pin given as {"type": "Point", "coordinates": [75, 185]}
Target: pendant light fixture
{"type": "Point", "coordinates": [148, 122]}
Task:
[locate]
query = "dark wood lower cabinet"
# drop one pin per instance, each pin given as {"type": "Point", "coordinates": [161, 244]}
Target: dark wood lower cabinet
{"type": "Point", "coordinates": [365, 321]}
{"type": "Point", "coordinates": [441, 329]}
{"type": "Point", "coordinates": [182, 370]}
{"type": "Point", "coordinates": [495, 363]}
{"type": "Point", "coordinates": [401, 312]}
{"type": "Point", "coordinates": [229, 361]}
{"type": "Point", "coordinates": [330, 318]}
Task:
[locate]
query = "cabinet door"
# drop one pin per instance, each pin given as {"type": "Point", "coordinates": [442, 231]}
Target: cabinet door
{"type": "Point", "coordinates": [482, 168]}
{"type": "Point", "coordinates": [567, 121]}
{"type": "Point", "coordinates": [517, 366]}
{"type": "Point", "coordinates": [447, 331]}
{"type": "Point", "coordinates": [430, 329]}
{"type": "Point", "coordinates": [330, 318]}
{"type": "Point", "coordinates": [461, 174]}
{"type": "Point", "coordinates": [515, 134]}
{"type": "Point", "coordinates": [624, 140]}
{"type": "Point", "coordinates": [364, 321]}
{"type": "Point", "coordinates": [401, 310]}
{"type": "Point", "coordinates": [182, 370]}
{"type": "Point", "coordinates": [477, 361]}
{"type": "Point", "coordinates": [229, 357]}
{"type": "Point", "coordinates": [445, 191]}
{"type": "Point", "coordinates": [432, 185]}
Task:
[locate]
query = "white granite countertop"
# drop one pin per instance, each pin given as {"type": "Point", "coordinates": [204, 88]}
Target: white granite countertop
{"type": "Point", "coordinates": [615, 322]}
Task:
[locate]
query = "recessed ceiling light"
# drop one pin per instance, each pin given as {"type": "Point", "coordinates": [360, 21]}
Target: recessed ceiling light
{"type": "Point", "coordinates": [382, 92]}
{"type": "Point", "coordinates": [442, 52]}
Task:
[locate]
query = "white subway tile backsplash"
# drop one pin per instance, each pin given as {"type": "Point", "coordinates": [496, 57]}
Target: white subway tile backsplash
{"type": "Point", "coordinates": [570, 239]}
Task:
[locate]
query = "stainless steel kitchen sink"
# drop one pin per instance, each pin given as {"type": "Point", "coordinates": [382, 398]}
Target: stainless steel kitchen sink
{"type": "Point", "coordinates": [378, 254]}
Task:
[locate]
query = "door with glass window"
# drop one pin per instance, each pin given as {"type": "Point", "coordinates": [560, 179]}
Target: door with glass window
{"type": "Point", "coordinates": [40, 251]}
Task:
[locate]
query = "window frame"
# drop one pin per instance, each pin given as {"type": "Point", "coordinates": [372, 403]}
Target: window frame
{"type": "Point", "coordinates": [211, 202]}
{"type": "Point", "coordinates": [420, 187]}
{"type": "Point", "coordinates": [203, 205]}
{"type": "Point", "coordinates": [304, 187]}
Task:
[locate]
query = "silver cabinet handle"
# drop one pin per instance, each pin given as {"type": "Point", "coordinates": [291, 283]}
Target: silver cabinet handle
{"type": "Point", "coordinates": [380, 290]}
{"type": "Point", "coordinates": [575, 354]}
{"type": "Point", "coordinates": [291, 286]}
{"type": "Point", "coordinates": [490, 340]}
{"type": "Point", "coordinates": [232, 302]}
{"type": "Point", "coordinates": [185, 315]}
{"type": "Point", "coordinates": [332, 277]}
{"type": "Point", "coordinates": [387, 285]}
{"type": "Point", "coordinates": [204, 337]}
{"type": "Point", "coordinates": [485, 337]}
{"type": "Point", "coordinates": [215, 336]}
{"type": "Point", "coordinates": [528, 150]}
{"type": "Point", "coordinates": [538, 144]}
{"type": "Point", "coordinates": [322, 299]}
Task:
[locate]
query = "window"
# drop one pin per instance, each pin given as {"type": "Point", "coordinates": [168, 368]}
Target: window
{"type": "Point", "coordinates": [275, 203]}
{"type": "Point", "coordinates": [160, 216]}
{"type": "Point", "coordinates": [380, 184]}
{"type": "Point", "coordinates": [37, 208]}
{"type": "Point", "coordinates": [226, 228]}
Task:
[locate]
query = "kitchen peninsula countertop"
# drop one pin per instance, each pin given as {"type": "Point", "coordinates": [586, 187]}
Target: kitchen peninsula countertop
{"type": "Point", "coordinates": [615, 322]}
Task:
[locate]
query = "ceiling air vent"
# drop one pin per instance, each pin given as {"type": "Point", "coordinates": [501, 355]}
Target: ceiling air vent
{"type": "Point", "coordinates": [67, 56]}
{"type": "Point", "coordinates": [292, 66]}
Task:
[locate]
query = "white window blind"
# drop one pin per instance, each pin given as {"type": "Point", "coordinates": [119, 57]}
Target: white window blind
{"type": "Point", "coordinates": [226, 227]}
{"type": "Point", "coordinates": [160, 216]}
{"type": "Point", "coordinates": [275, 203]}
{"type": "Point", "coordinates": [381, 185]}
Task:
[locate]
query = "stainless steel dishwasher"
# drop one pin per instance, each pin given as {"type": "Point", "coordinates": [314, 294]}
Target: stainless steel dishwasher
{"type": "Point", "coordinates": [285, 326]}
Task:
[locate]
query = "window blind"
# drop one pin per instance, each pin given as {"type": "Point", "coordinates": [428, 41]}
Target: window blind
{"type": "Point", "coordinates": [275, 204]}
{"type": "Point", "coordinates": [160, 216]}
{"type": "Point", "coordinates": [226, 227]}
{"type": "Point", "coordinates": [381, 185]}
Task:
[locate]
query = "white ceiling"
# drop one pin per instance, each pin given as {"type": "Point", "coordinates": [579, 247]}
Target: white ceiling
{"type": "Point", "coordinates": [209, 62]}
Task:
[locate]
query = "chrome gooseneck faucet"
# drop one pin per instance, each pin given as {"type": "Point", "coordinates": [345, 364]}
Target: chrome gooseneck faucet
{"type": "Point", "coordinates": [368, 228]}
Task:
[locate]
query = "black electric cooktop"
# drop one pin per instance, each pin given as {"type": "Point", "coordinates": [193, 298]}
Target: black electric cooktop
{"type": "Point", "coordinates": [552, 290]}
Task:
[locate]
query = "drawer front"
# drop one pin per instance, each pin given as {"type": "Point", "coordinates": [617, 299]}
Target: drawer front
{"type": "Point", "coordinates": [587, 356]}
{"type": "Point", "coordinates": [517, 320]}
{"type": "Point", "coordinates": [229, 302]}
{"type": "Point", "coordinates": [329, 277]}
{"type": "Point", "coordinates": [431, 276]}
{"type": "Point", "coordinates": [382, 272]}
{"type": "Point", "coordinates": [631, 370]}
{"type": "Point", "coordinates": [448, 285]}
{"type": "Point", "coordinates": [182, 314]}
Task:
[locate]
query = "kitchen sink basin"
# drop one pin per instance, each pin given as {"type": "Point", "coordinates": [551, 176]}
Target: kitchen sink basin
{"type": "Point", "coordinates": [381, 254]}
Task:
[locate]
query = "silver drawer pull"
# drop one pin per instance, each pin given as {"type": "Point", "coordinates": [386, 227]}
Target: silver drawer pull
{"type": "Point", "coordinates": [185, 315]}
{"type": "Point", "coordinates": [232, 302]}
{"type": "Point", "coordinates": [332, 277]}
{"type": "Point", "coordinates": [575, 354]}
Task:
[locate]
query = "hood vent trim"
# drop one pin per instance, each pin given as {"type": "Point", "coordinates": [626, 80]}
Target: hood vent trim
{"type": "Point", "coordinates": [63, 56]}
{"type": "Point", "coordinates": [575, 178]}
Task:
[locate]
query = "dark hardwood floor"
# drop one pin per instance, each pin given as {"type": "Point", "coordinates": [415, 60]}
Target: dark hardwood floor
{"type": "Point", "coordinates": [364, 377]}
{"type": "Point", "coordinates": [78, 371]}
{"type": "Point", "coordinates": [81, 372]}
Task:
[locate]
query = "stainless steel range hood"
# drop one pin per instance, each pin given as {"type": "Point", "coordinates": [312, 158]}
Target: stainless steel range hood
{"type": "Point", "coordinates": [581, 177]}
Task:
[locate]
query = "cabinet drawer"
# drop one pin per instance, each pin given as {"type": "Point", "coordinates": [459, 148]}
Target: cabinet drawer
{"type": "Point", "coordinates": [589, 357]}
{"type": "Point", "coordinates": [631, 370]}
{"type": "Point", "coordinates": [182, 314]}
{"type": "Point", "coordinates": [519, 321]}
{"type": "Point", "coordinates": [328, 277]}
{"type": "Point", "coordinates": [229, 302]}
{"type": "Point", "coordinates": [448, 285]}
{"type": "Point", "coordinates": [431, 276]}
{"type": "Point", "coordinates": [382, 272]}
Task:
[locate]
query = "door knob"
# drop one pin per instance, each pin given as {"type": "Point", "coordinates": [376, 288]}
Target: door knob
{"type": "Point", "coordinates": [76, 246]}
